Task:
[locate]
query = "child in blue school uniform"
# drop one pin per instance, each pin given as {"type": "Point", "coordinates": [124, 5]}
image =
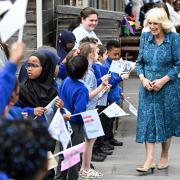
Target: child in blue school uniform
{"type": "Point", "coordinates": [115, 94]}
{"type": "Point", "coordinates": [8, 75]}
{"type": "Point", "coordinates": [75, 96]}
{"type": "Point", "coordinates": [113, 52]}
{"type": "Point", "coordinates": [37, 90]}
{"type": "Point", "coordinates": [94, 69]}
{"type": "Point", "coordinates": [65, 43]}
{"type": "Point", "coordinates": [100, 148]}
{"type": "Point", "coordinates": [97, 66]}
{"type": "Point", "coordinates": [90, 50]}
{"type": "Point", "coordinates": [12, 112]}
{"type": "Point", "coordinates": [51, 54]}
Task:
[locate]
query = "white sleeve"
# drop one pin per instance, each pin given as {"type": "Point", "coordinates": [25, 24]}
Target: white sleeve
{"type": "Point", "coordinates": [174, 16]}
{"type": "Point", "coordinates": [126, 2]}
{"type": "Point", "coordinates": [79, 36]}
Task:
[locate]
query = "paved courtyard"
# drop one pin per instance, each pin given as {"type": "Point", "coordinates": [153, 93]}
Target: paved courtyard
{"type": "Point", "coordinates": [123, 162]}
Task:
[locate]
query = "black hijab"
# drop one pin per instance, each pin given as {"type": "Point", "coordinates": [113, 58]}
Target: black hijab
{"type": "Point", "coordinates": [52, 56]}
{"type": "Point", "coordinates": [40, 91]}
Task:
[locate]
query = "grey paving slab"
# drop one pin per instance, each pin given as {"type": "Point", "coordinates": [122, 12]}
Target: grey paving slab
{"type": "Point", "coordinates": [123, 162]}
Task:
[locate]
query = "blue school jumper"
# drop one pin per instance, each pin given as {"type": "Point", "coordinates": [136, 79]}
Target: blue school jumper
{"type": "Point", "coordinates": [116, 90]}
{"type": "Point", "coordinates": [30, 110]}
{"type": "Point", "coordinates": [62, 74]}
{"type": "Point", "coordinates": [97, 68]}
{"type": "Point", "coordinates": [7, 84]}
{"type": "Point", "coordinates": [3, 176]}
{"type": "Point", "coordinates": [75, 97]}
{"type": "Point", "coordinates": [15, 112]}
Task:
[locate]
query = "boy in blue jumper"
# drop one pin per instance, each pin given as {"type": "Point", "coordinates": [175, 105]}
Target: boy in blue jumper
{"type": "Point", "coordinates": [8, 74]}
{"type": "Point", "coordinates": [115, 95]}
{"type": "Point", "coordinates": [75, 97]}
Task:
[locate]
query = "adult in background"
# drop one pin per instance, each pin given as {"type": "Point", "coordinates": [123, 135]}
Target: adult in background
{"type": "Point", "coordinates": [128, 7]}
{"type": "Point", "coordinates": [148, 4]}
{"type": "Point", "coordinates": [136, 6]}
{"type": "Point", "coordinates": [177, 6]}
{"type": "Point", "coordinates": [86, 25]}
{"type": "Point", "coordinates": [158, 65]}
{"type": "Point", "coordinates": [174, 16]}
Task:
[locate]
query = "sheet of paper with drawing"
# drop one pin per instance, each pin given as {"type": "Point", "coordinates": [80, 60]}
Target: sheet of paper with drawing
{"type": "Point", "coordinates": [132, 109]}
{"type": "Point", "coordinates": [128, 66]}
{"type": "Point", "coordinates": [121, 66]}
{"type": "Point", "coordinates": [92, 124]}
{"type": "Point", "coordinates": [50, 110]}
{"type": "Point", "coordinates": [114, 110]}
{"type": "Point", "coordinates": [58, 129]}
{"type": "Point", "coordinates": [72, 156]}
{"type": "Point", "coordinates": [117, 66]}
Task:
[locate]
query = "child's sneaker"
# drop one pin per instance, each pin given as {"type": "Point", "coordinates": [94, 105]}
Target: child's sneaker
{"type": "Point", "coordinates": [91, 174]}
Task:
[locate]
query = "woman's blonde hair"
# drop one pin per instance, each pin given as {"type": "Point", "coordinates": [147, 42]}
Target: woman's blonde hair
{"type": "Point", "coordinates": [158, 15]}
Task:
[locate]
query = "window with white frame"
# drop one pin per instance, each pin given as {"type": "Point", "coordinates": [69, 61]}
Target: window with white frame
{"type": "Point", "coordinates": [113, 5]}
{"type": "Point", "coordinates": [79, 3]}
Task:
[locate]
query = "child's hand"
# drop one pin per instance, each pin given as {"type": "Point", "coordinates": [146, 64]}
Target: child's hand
{"type": "Point", "coordinates": [16, 52]}
{"type": "Point", "coordinates": [123, 96]}
{"type": "Point", "coordinates": [59, 103]}
{"type": "Point", "coordinates": [25, 115]}
{"type": "Point", "coordinates": [105, 82]}
{"type": "Point", "coordinates": [125, 76]}
{"type": "Point", "coordinates": [106, 88]}
{"type": "Point", "coordinates": [109, 87]}
{"type": "Point", "coordinates": [64, 61]}
{"type": "Point", "coordinates": [106, 77]}
{"type": "Point", "coordinates": [39, 111]}
{"type": "Point", "coordinates": [67, 116]}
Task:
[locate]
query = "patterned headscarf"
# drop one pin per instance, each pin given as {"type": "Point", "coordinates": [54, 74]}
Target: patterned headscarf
{"type": "Point", "coordinates": [64, 38]}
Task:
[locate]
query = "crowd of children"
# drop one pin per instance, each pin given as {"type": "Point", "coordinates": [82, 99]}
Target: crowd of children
{"type": "Point", "coordinates": [85, 80]}
{"type": "Point", "coordinates": [80, 91]}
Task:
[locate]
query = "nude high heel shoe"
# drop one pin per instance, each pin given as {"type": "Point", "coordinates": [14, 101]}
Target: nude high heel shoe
{"type": "Point", "coordinates": [146, 170]}
{"type": "Point", "coordinates": [162, 166]}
